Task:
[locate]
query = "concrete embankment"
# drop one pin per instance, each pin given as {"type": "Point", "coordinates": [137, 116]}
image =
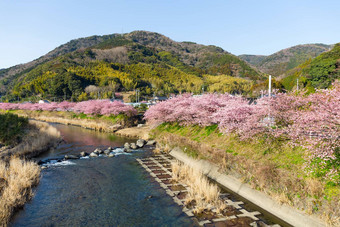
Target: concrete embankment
{"type": "Point", "coordinates": [288, 214]}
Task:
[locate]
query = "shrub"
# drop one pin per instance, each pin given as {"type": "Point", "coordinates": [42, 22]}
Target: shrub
{"type": "Point", "coordinates": [11, 128]}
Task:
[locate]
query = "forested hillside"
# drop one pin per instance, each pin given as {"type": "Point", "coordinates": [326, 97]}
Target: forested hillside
{"type": "Point", "coordinates": [254, 60]}
{"type": "Point", "coordinates": [319, 72]}
{"type": "Point", "coordinates": [147, 61]}
{"type": "Point", "coordinates": [280, 62]}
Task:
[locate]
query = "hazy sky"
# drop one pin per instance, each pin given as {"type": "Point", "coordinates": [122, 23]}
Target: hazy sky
{"type": "Point", "coordinates": [31, 28]}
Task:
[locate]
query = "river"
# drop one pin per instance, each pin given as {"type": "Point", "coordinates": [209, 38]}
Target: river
{"type": "Point", "coordinates": [98, 191]}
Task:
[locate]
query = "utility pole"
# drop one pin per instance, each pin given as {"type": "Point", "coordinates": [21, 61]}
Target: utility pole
{"type": "Point", "coordinates": [270, 86]}
{"type": "Point", "coordinates": [137, 95]}
{"type": "Point", "coordinates": [269, 95]}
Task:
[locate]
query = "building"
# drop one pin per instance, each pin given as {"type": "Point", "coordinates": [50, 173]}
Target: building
{"type": "Point", "coordinates": [158, 99]}
{"type": "Point", "coordinates": [43, 101]}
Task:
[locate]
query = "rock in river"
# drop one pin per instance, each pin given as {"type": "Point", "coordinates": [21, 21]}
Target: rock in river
{"type": "Point", "coordinates": [83, 154]}
{"type": "Point", "coordinates": [107, 151]}
{"type": "Point", "coordinates": [70, 156]}
{"type": "Point", "coordinates": [93, 154]}
{"type": "Point", "coordinates": [127, 145]}
{"type": "Point", "coordinates": [151, 142]}
{"type": "Point", "coordinates": [111, 155]}
{"type": "Point", "coordinates": [133, 146]}
{"type": "Point", "coordinates": [140, 143]}
{"type": "Point", "coordinates": [127, 150]}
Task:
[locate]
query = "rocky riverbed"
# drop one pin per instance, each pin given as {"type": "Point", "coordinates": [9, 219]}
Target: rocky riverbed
{"type": "Point", "coordinates": [78, 190]}
{"type": "Point", "coordinates": [98, 152]}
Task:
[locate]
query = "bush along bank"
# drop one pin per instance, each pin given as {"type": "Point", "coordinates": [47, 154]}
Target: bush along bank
{"type": "Point", "coordinates": [20, 139]}
{"type": "Point", "coordinates": [100, 115]}
{"type": "Point", "coordinates": [287, 146]}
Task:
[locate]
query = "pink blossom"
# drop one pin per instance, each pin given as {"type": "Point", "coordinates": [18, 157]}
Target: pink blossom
{"type": "Point", "coordinates": [312, 121]}
{"type": "Point", "coordinates": [103, 107]}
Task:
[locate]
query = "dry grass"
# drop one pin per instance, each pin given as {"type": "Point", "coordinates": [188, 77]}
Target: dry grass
{"type": "Point", "coordinates": [202, 193]}
{"type": "Point", "coordinates": [85, 123]}
{"type": "Point", "coordinates": [18, 177]}
{"type": "Point", "coordinates": [40, 137]}
{"type": "Point", "coordinates": [266, 173]}
{"type": "Point", "coordinates": [67, 118]}
{"type": "Point", "coordinates": [135, 132]}
{"type": "Point", "coordinates": [314, 187]}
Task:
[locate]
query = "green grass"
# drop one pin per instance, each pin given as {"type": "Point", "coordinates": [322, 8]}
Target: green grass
{"type": "Point", "coordinates": [116, 118]}
{"type": "Point", "coordinates": [81, 116]}
{"type": "Point", "coordinates": [276, 154]}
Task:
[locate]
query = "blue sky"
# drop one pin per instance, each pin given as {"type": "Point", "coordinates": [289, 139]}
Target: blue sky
{"type": "Point", "coordinates": [31, 28]}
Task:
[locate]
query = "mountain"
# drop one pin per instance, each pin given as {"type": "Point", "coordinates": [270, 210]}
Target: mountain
{"type": "Point", "coordinates": [278, 63]}
{"type": "Point", "coordinates": [319, 72]}
{"type": "Point", "coordinates": [148, 61]}
{"type": "Point", "coordinates": [254, 60]}
{"type": "Point", "coordinates": [73, 45]}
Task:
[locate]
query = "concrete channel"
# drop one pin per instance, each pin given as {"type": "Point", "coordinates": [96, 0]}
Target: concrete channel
{"type": "Point", "coordinates": [236, 214]}
{"type": "Point", "coordinates": [285, 214]}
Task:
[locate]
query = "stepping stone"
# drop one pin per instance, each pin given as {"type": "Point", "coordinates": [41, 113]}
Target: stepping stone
{"type": "Point", "coordinates": [176, 200]}
{"type": "Point", "coordinates": [249, 214]}
{"type": "Point", "coordinates": [188, 212]}
{"type": "Point", "coordinates": [234, 204]}
{"type": "Point", "coordinates": [202, 223]}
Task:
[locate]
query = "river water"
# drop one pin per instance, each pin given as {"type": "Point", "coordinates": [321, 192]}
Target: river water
{"type": "Point", "coordinates": [98, 191]}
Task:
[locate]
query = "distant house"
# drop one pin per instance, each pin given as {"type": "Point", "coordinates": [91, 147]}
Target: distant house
{"type": "Point", "coordinates": [43, 101]}
{"type": "Point", "coordinates": [158, 99]}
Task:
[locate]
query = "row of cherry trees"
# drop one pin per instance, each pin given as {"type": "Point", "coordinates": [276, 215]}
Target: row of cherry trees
{"type": "Point", "coordinates": [311, 121]}
{"type": "Point", "coordinates": [102, 107]}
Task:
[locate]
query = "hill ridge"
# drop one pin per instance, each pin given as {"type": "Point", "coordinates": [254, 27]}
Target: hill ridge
{"type": "Point", "coordinates": [283, 60]}
{"type": "Point", "coordinates": [122, 55]}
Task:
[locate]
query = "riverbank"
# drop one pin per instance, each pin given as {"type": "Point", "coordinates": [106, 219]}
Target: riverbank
{"type": "Point", "coordinates": [275, 169]}
{"type": "Point", "coordinates": [97, 191]}
{"type": "Point", "coordinates": [141, 132]}
{"type": "Point", "coordinates": [39, 137]}
{"type": "Point", "coordinates": [286, 214]}
{"type": "Point", "coordinates": [100, 123]}
{"type": "Point", "coordinates": [17, 175]}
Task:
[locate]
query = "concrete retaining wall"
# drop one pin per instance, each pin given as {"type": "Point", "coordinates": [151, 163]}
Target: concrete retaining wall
{"type": "Point", "coordinates": [288, 214]}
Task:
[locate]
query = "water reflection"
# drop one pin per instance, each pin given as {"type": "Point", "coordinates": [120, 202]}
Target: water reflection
{"type": "Point", "coordinates": [98, 191]}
